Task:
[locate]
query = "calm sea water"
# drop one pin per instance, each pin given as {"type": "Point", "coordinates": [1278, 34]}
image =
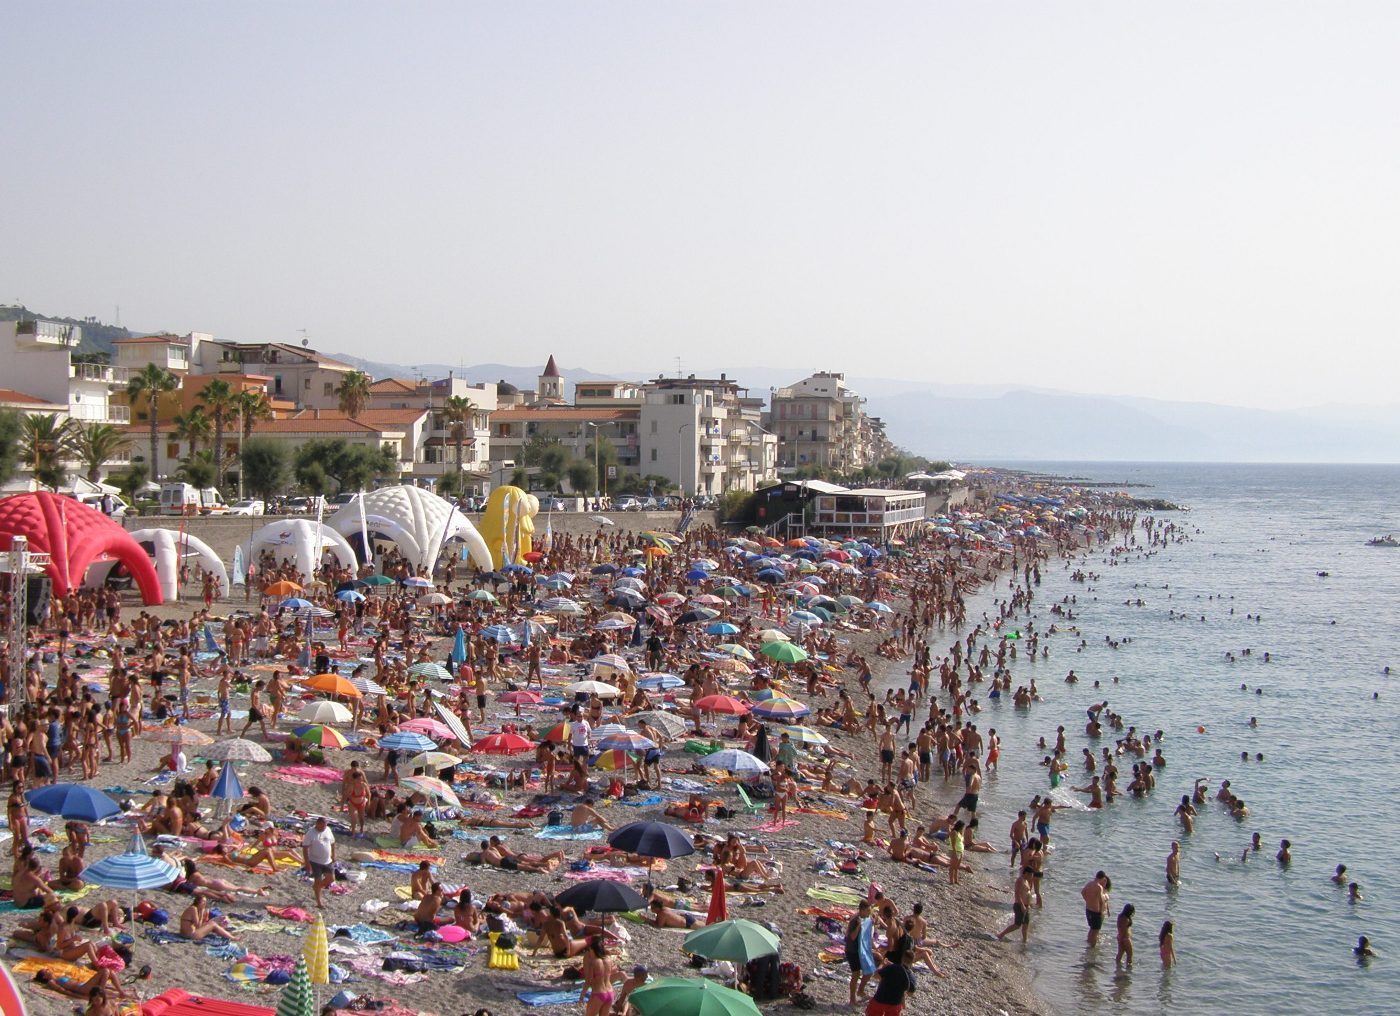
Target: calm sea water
{"type": "Point", "coordinates": [1251, 937]}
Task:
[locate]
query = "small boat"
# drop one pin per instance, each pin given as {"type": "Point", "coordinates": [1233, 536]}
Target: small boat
{"type": "Point", "coordinates": [1383, 541]}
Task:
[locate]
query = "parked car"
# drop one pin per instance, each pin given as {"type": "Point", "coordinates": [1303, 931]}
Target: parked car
{"type": "Point", "coordinates": [248, 506]}
{"type": "Point", "coordinates": [183, 499]}
{"type": "Point", "coordinates": [303, 505]}
{"type": "Point", "coordinates": [341, 500]}
{"type": "Point", "coordinates": [550, 503]}
{"type": "Point", "coordinates": [627, 504]}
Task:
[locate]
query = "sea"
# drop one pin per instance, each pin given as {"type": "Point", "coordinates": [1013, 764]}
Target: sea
{"type": "Point", "coordinates": [1278, 563]}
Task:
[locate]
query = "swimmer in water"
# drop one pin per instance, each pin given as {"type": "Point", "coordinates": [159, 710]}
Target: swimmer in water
{"type": "Point", "coordinates": [1174, 864]}
{"type": "Point", "coordinates": [1363, 948]}
{"type": "Point", "coordinates": [1340, 878]}
{"type": "Point", "coordinates": [1354, 893]}
{"type": "Point", "coordinates": [1284, 856]}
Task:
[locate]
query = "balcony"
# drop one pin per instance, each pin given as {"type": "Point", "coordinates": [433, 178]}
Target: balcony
{"type": "Point", "coordinates": [98, 372]}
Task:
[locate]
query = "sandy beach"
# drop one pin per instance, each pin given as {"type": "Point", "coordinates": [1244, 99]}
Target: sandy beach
{"type": "Point", "coordinates": [983, 976]}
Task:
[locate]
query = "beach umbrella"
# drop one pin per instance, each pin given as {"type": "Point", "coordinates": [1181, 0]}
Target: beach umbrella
{"type": "Point", "coordinates": [367, 686]}
{"type": "Point", "coordinates": [418, 582]}
{"type": "Point", "coordinates": [735, 650]}
{"type": "Point", "coordinates": [612, 761]}
{"type": "Point", "coordinates": [807, 617]}
{"type": "Point", "coordinates": [178, 735]}
{"type": "Point", "coordinates": [228, 788]}
{"type": "Point", "coordinates": [719, 902]}
{"type": "Point", "coordinates": [783, 652]}
{"type": "Point", "coordinates": [602, 520]}
{"type": "Point", "coordinates": [434, 600]}
{"type": "Point", "coordinates": [236, 749]}
{"type": "Point", "coordinates": [601, 896]}
{"type": "Point", "coordinates": [323, 711]}
{"type": "Point", "coordinates": [805, 735]}
{"type": "Point", "coordinates": [627, 741]}
{"type": "Point", "coordinates": [520, 697]}
{"type": "Point", "coordinates": [316, 952]}
{"type": "Point", "coordinates": [709, 600]}
{"type": "Point", "coordinates": [614, 624]}
{"type": "Point", "coordinates": [434, 670]}
{"type": "Point", "coordinates": [559, 733]}
{"type": "Point", "coordinates": [721, 628]}
{"type": "Point", "coordinates": [72, 801]}
{"type": "Point", "coordinates": [696, 575]}
{"type": "Point", "coordinates": [350, 596]}
{"type": "Point", "coordinates": [657, 681]}
{"type": "Point", "coordinates": [731, 664]}
{"type": "Point", "coordinates": [503, 744]}
{"type": "Point", "coordinates": [784, 709]}
{"type": "Point", "coordinates": [433, 760]}
{"type": "Point", "coordinates": [738, 941]}
{"type": "Point", "coordinates": [321, 735]}
{"type": "Point", "coordinates": [482, 596]}
{"type": "Point", "coordinates": [501, 634]}
{"type": "Point", "coordinates": [298, 997]}
{"type": "Point", "coordinates": [669, 724]}
{"type": "Point", "coordinates": [453, 722]}
{"type": "Point", "coordinates": [282, 588]}
{"type": "Point", "coordinates": [551, 582]}
{"type": "Point", "coordinates": [378, 580]}
{"type": "Point", "coordinates": [133, 870]}
{"type": "Point", "coordinates": [331, 684]}
{"type": "Point", "coordinates": [406, 740]}
{"type": "Point", "coordinates": [652, 839]}
{"type": "Point", "coordinates": [432, 786]}
{"type": "Point", "coordinates": [561, 605]}
{"type": "Point", "coordinates": [689, 996]}
{"type": "Point", "coordinates": [429, 727]}
{"type": "Point", "coordinates": [593, 688]}
{"type": "Point", "coordinates": [11, 1001]}
{"type": "Point", "coordinates": [732, 760]}
{"type": "Point", "coordinates": [629, 598]}
{"type": "Point", "coordinates": [609, 662]}
{"type": "Point", "coordinates": [726, 704]}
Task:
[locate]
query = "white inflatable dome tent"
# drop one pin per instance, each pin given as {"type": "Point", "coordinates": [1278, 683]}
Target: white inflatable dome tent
{"type": "Point", "coordinates": [417, 521]}
{"type": "Point", "coordinates": [167, 548]}
{"type": "Point", "coordinates": [301, 541]}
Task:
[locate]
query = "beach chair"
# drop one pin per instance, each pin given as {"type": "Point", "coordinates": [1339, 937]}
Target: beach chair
{"type": "Point", "coordinates": [749, 806]}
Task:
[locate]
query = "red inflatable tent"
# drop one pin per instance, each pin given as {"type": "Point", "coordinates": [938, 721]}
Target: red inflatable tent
{"type": "Point", "coordinates": [74, 536]}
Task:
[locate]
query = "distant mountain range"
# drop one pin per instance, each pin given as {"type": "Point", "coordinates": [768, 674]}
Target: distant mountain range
{"type": "Point", "coordinates": [971, 423]}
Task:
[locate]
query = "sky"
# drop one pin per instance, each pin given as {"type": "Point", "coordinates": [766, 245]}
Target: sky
{"type": "Point", "coordinates": [1176, 200]}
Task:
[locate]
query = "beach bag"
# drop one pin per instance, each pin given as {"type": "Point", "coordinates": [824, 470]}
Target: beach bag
{"type": "Point", "coordinates": [556, 817]}
{"type": "Point", "coordinates": [790, 974]}
{"type": "Point", "coordinates": [763, 979]}
{"type": "Point", "coordinates": [404, 963]}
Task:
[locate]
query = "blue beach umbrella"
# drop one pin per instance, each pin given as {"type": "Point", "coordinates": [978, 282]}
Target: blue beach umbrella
{"type": "Point", "coordinates": [459, 647]}
{"type": "Point", "coordinates": [228, 788]}
{"type": "Point", "coordinates": [72, 801]}
{"type": "Point", "coordinates": [134, 870]}
{"type": "Point", "coordinates": [210, 646]}
{"type": "Point", "coordinates": [406, 740]}
{"type": "Point", "coordinates": [295, 603]}
{"type": "Point", "coordinates": [498, 633]}
{"type": "Point", "coordinates": [721, 628]}
{"type": "Point", "coordinates": [696, 575]}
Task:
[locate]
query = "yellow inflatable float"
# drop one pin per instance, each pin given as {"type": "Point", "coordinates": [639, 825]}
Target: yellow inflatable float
{"type": "Point", "coordinates": [508, 525]}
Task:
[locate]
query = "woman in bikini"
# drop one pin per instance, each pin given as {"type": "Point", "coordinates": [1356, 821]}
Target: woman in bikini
{"type": "Point", "coordinates": [599, 972]}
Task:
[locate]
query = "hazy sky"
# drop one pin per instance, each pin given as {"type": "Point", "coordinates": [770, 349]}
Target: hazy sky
{"type": "Point", "coordinates": [1183, 200]}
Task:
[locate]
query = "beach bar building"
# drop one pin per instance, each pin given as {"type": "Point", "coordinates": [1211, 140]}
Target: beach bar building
{"type": "Point", "coordinates": [878, 514]}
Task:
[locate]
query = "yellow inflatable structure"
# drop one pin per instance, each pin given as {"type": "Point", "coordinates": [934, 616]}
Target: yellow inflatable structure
{"type": "Point", "coordinates": [508, 525]}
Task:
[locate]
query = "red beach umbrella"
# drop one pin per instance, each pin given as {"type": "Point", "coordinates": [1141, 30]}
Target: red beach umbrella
{"type": "Point", "coordinates": [503, 744]}
{"type": "Point", "coordinates": [722, 704]}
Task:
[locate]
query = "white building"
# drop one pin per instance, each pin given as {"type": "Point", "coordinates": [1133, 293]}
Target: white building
{"type": "Point", "coordinates": [38, 361]}
{"type": "Point", "coordinates": [705, 436]}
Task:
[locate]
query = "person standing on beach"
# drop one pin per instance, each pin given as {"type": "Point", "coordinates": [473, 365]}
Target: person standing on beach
{"type": "Point", "coordinates": [896, 982]}
{"type": "Point", "coordinates": [318, 853]}
{"type": "Point", "coordinates": [858, 928]}
{"type": "Point", "coordinates": [1095, 893]}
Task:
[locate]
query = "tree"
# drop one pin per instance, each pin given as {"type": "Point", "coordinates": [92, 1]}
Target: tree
{"type": "Point", "coordinates": [220, 401]}
{"type": "Point", "coordinates": [581, 477]}
{"type": "Point", "coordinates": [130, 480]}
{"type": "Point", "coordinates": [354, 393]}
{"type": "Point", "coordinates": [458, 412]}
{"type": "Point", "coordinates": [327, 461]}
{"type": "Point", "coordinates": [606, 455]}
{"type": "Point", "coordinates": [151, 382]}
{"type": "Point", "coordinates": [96, 444]}
{"type": "Point", "coordinates": [198, 469]}
{"type": "Point", "coordinates": [252, 405]}
{"type": "Point", "coordinates": [11, 431]}
{"type": "Point", "coordinates": [46, 441]}
{"type": "Point", "coordinates": [194, 427]}
{"type": "Point", "coordinates": [519, 478]}
{"type": "Point", "coordinates": [541, 447]}
{"type": "Point", "coordinates": [265, 467]}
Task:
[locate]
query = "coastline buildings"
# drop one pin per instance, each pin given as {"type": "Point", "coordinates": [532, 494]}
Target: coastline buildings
{"type": "Point", "coordinates": [821, 424]}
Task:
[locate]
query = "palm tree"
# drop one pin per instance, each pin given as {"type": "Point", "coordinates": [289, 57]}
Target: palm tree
{"type": "Point", "coordinates": [194, 427]}
{"type": "Point", "coordinates": [97, 444]}
{"type": "Point", "coordinates": [252, 405]}
{"type": "Point", "coordinates": [45, 442]}
{"type": "Point", "coordinates": [198, 469]}
{"type": "Point", "coordinates": [458, 412]}
{"type": "Point", "coordinates": [219, 400]}
{"type": "Point", "coordinates": [354, 393]}
{"type": "Point", "coordinates": [152, 381]}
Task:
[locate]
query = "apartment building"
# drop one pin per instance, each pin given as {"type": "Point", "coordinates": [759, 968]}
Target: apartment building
{"type": "Point", "coordinates": [705, 434]}
{"type": "Point", "coordinates": [820, 422]}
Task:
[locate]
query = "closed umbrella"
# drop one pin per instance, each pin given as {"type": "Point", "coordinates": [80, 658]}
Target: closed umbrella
{"type": "Point", "coordinates": [719, 902]}
{"type": "Point", "coordinates": [453, 722]}
{"type": "Point", "coordinates": [601, 896]}
{"type": "Point", "coordinates": [652, 839]}
{"type": "Point", "coordinates": [298, 998]}
{"type": "Point", "coordinates": [228, 788]}
{"type": "Point", "coordinates": [316, 953]}
{"type": "Point", "coordinates": [762, 750]}
{"type": "Point", "coordinates": [73, 801]}
{"type": "Point", "coordinates": [236, 749]}
{"type": "Point", "coordinates": [738, 941]}
{"type": "Point", "coordinates": [690, 996]}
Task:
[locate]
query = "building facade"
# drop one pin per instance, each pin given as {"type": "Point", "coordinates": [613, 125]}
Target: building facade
{"type": "Point", "coordinates": [821, 424]}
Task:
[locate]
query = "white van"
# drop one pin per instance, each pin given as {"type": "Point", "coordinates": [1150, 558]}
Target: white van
{"type": "Point", "coordinates": [184, 499]}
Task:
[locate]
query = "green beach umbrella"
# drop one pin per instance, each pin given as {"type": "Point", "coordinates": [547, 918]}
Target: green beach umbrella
{"type": "Point", "coordinates": [297, 998]}
{"type": "Point", "coordinates": [691, 996]}
{"type": "Point", "coordinates": [783, 652]}
{"type": "Point", "coordinates": [736, 940]}
{"type": "Point", "coordinates": [378, 580]}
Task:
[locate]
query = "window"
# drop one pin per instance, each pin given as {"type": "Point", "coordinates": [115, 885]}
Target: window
{"type": "Point", "coordinates": [653, 455]}
{"type": "Point", "coordinates": [676, 400]}
{"type": "Point", "coordinates": [277, 384]}
{"type": "Point", "coordinates": [172, 451]}
{"type": "Point", "coordinates": [307, 385]}
{"type": "Point", "coordinates": [653, 426]}
{"type": "Point", "coordinates": [327, 388]}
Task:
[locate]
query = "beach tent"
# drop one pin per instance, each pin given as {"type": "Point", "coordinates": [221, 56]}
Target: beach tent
{"type": "Point", "coordinates": [417, 521]}
{"type": "Point", "coordinates": [74, 536]}
{"type": "Point", "coordinates": [167, 547]}
{"type": "Point", "coordinates": [301, 541]}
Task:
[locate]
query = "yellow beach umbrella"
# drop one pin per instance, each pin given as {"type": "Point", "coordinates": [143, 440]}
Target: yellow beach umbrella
{"type": "Point", "coordinates": [317, 953]}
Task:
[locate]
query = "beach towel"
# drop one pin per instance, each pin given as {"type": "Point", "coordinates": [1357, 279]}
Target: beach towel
{"type": "Point", "coordinates": [392, 849]}
{"type": "Point", "coordinates": [390, 865]}
{"type": "Point", "coordinates": [841, 897]}
{"type": "Point", "coordinates": [867, 946]}
{"type": "Point", "coordinates": [642, 802]}
{"type": "Point", "coordinates": [775, 825]}
{"type": "Point", "coordinates": [535, 999]}
{"type": "Point", "coordinates": [568, 832]}
{"type": "Point", "coordinates": [291, 914]}
{"type": "Point", "coordinates": [162, 937]}
{"type": "Point", "coordinates": [317, 774]}
{"type": "Point", "coordinates": [361, 934]}
{"type": "Point", "coordinates": [404, 892]}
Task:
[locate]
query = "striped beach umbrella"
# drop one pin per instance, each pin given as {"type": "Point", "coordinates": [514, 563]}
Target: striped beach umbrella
{"type": "Point", "coordinates": [365, 686]}
{"type": "Point", "coordinates": [406, 740]}
{"type": "Point", "coordinates": [178, 735]}
{"type": "Point", "coordinates": [320, 734]}
{"type": "Point", "coordinates": [626, 741]}
{"type": "Point", "coordinates": [431, 786]}
{"type": "Point", "coordinates": [298, 999]}
{"type": "Point", "coordinates": [133, 871]}
{"type": "Point", "coordinates": [316, 953]}
{"type": "Point", "coordinates": [785, 709]}
{"type": "Point", "coordinates": [228, 788]}
{"type": "Point", "coordinates": [433, 670]}
{"type": "Point", "coordinates": [735, 650]}
{"type": "Point", "coordinates": [453, 723]}
{"type": "Point", "coordinates": [805, 735]}
{"type": "Point", "coordinates": [732, 760]}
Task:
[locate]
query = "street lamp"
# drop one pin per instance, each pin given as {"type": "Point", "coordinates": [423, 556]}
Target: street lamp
{"type": "Point", "coordinates": [597, 479]}
{"type": "Point", "coordinates": [680, 458]}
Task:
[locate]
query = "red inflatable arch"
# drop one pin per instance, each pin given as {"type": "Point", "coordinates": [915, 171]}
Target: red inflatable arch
{"type": "Point", "coordinates": [74, 536]}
